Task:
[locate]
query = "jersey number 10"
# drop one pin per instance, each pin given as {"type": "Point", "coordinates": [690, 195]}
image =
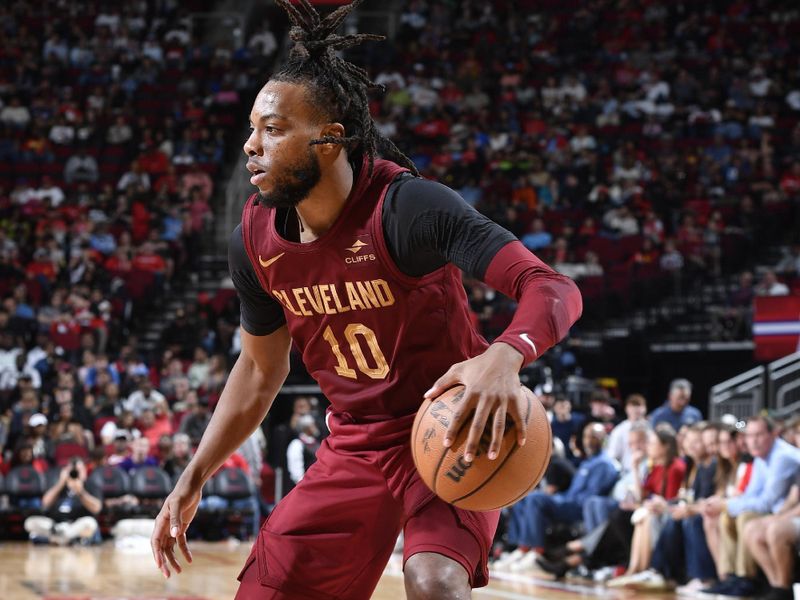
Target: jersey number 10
{"type": "Point", "coordinates": [351, 334]}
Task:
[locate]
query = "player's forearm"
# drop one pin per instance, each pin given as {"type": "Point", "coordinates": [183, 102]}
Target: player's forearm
{"type": "Point", "coordinates": [548, 303]}
{"type": "Point", "coordinates": [244, 403]}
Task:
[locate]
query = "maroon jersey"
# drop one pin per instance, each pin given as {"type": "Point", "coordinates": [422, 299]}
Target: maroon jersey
{"type": "Point", "coordinates": [373, 338]}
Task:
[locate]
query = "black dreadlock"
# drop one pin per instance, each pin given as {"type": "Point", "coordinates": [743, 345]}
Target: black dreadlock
{"type": "Point", "coordinates": [340, 87]}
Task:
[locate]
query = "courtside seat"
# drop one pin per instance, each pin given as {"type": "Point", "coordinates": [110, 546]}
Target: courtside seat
{"type": "Point", "coordinates": [113, 482]}
{"type": "Point", "coordinates": [25, 482]}
{"type": "Point", "coordinates": [233, 484]}
{"type": "Point", "coordinates": [150, 483]}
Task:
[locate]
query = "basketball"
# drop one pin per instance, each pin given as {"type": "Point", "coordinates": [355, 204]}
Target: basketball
{"type": "Point", "coordinates": [483, 484]}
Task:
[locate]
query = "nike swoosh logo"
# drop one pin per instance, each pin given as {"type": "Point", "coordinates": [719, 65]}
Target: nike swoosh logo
{"type": "Point", "coordinates": [525, 338]}
{"type": "Point", "coordinates": [266, 263]}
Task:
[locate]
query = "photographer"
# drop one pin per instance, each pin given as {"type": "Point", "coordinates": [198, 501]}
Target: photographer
{"type": "Point", "coordinates": [69, 510]}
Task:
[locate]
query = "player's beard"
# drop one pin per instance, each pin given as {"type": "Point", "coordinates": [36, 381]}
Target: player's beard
{"type": "Point", "coordinates": [294, 185]}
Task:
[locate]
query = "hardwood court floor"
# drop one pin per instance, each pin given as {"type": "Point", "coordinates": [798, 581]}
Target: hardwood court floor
{"type": "Point", "coordinates": [107, 573]}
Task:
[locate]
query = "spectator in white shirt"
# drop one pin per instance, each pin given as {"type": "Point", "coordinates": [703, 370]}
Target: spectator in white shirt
{"type": "Point", "coordinates": [81, 167]}
{"type": "Point", "coordinates": [618, 447]}
{"type": "Point", "coordinates": [770, 286]}
{"type": "Point", "coordinates": [145, 398]}
{"type": "Point", "coordinates": [62, 133]}
{"type": "Point", "coordinates": [302, 450]}
{"type": "Point", "coordinates": [15, 114]}
{"type": "Point", "coordinates": [263, 42]}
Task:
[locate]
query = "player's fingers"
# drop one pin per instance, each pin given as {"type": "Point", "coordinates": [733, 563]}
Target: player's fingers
{"type": "Point", "coordinates": [461, 410]}
{"type": "Point", "coordinates": [479, 419]}
{"type": "Point", "coordinates": [498, 431]}
{"type": "Point", "coordinates": [159, 532]}
{"type": "Point", "coordinates": [519, 409]}
{"type": "Point", "coordinates": [170, 554]}
{"type": "Point", "coordinates": [184, 546]}
{"type": "Point", "coordinates": [175, 525]}
{"type": "Point", "coordinates": [164, 567]}
{"type": "Point", "coordinates": [444, 382]}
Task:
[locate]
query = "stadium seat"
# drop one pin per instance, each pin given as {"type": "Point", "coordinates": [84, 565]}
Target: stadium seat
{"type": "Point", "coordinates": [25, 482]}
{"type": "Point", "coordinates": [150, 483]}
{"type": "Point", "coordinates": [233, 484]}
{"type": "Point", "coordinates": [112, 481]}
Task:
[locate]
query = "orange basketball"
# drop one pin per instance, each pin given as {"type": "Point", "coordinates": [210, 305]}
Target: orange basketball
{"type": "Point", "coordinates": [483, 484]}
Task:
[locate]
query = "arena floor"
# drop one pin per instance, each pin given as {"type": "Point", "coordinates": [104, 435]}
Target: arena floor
{"type": "Point", "coordinates": [108, 573]}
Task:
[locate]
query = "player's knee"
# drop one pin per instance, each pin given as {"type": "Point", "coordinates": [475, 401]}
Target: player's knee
{"type": "Point", "coordinates": [426, 581]}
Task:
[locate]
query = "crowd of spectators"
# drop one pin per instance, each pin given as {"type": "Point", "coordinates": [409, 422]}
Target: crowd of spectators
{"type": "Point", "coordinates": [663, 501]}
{"type": "Point", "coordinates": [630, 144]}
{"type": "Point", "coordinates": [636, 146]}
{"type": "Point", "coordinates": [114, 123]}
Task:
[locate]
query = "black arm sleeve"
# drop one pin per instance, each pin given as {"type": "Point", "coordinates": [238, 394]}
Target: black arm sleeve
{"type": "Point", "coordinates": [261, 313]}
{"type": "Point", "coordinates": [426, 225]}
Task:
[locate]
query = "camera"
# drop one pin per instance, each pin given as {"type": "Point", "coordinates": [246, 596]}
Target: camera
{"type": "Point", "coordinates": [73, 471]}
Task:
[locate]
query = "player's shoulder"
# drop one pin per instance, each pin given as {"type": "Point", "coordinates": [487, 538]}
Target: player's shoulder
{"type": "Point", "coordinates": [416, 194]}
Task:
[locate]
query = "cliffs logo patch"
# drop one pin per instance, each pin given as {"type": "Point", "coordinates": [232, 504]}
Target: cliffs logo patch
{"type": "Point", "coordinates": [360, 252]}
{"type": "Point", "coordinates": [357, 246]}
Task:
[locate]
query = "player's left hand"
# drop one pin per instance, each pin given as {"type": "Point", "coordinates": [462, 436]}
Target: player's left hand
{"type": "Point", "coordinates": [491, 388]}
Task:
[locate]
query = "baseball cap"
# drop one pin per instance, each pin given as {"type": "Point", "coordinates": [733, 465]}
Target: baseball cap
{"type": "Point", "coordinates": [37, 420]}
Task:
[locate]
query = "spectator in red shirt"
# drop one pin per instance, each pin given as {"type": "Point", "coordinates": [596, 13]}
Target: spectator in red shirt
{"type": "Point", "coordinates": [153, 161]}
{"type": "Point", "coordinates": [662, 484]}
{"type": "Point", "coordinates": [196, 177]}
{"type": "Point", "coordinates": [42, 267]}
{"type": "Point", "coordinates": [790, 182]}
{"type": "Point", "coordinates": [168, 182]}
{"type": "Point", "coordinates": [119, 262]}
{"type": "Point", "coordinates": [147, 259]}
{"type": "Point", "coordinates": [153, 427]}
{"type": "Point", "coordinates": [65, 331]}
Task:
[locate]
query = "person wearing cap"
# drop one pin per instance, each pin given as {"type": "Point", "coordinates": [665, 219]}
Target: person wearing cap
{"type": "Point", "coordinates": [119, 449]}
{"type": "Point", "coordinates": [38, 429]}
{"type": "Point", "coordinates": [676, 410]}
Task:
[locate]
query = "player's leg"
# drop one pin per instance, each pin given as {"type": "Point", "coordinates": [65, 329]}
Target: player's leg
{"type": "Point", "coordinates": [446, 551]}
{"type": "Point", "coordinates": [432, 576]}
{"type": "Point", "coordinates": [329, 538]}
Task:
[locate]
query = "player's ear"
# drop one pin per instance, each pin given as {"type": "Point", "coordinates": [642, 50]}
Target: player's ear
{"type": "Point", "coordinates": [332, 130]}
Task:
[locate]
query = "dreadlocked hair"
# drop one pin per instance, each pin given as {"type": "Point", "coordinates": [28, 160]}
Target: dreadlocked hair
{"type": "Point", "coordinates": [340, 87]}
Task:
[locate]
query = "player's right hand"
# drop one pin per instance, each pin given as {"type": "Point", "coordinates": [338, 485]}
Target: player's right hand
{"type": "Point", "coordinates": [171, 524]}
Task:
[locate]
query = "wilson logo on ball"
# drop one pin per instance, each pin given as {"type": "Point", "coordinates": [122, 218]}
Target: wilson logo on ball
{"type": "Point", "coordinates": [460, 467]}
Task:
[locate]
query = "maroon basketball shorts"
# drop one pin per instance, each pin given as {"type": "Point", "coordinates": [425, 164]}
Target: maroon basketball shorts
{"type": "Point", "coordinates": [332, 536]}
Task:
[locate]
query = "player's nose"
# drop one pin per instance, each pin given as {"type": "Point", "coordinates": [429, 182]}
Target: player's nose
{"type": "Point", "coordinates": [251, 146]}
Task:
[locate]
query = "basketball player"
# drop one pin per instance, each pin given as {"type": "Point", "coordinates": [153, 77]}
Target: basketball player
{"type": "Point", "coordinates": [356, 260]}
